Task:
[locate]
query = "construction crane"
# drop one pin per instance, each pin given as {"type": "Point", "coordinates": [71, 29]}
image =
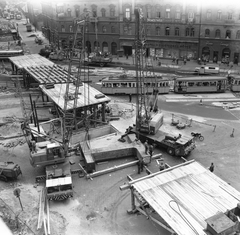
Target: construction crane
{"type": "Point", "coordinates": [144, 108]}
{"type": "Point", "coordinates": [51, 153]}
{"type": "Point", "coordinates": [148, 118]}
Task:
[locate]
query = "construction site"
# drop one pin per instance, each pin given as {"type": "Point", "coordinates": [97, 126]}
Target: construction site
{"type": "Point", "coordinates": [75, 161]}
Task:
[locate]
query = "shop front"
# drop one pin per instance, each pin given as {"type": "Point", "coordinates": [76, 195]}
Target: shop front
{"type": "Point", "coordinates": [171, 50]}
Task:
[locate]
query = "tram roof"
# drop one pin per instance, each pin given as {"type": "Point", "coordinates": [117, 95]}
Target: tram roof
{"type": "Point", "coordinates": [201, 78]}
{"type": "Point", "coordinates": [133, 78]}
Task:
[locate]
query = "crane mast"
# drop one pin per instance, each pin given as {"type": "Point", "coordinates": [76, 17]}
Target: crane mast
{"type": "Point", "coordinates": [69, 111]}
{"type": "Point", "coordinates": [142, 114]}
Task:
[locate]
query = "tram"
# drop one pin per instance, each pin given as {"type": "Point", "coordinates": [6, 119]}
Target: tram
{"type": "Point", "coordinates": [200, 84]}
{"type": "Point", "coordinates": [234, 81]}
{"type": "Point", "coordinates": [127, 84]}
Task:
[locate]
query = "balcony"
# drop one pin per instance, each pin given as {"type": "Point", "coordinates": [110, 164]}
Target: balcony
{"type": "Point", "coordinates": [125, 19]}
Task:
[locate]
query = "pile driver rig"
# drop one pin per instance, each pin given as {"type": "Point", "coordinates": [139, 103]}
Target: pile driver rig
{"type": "Point", "coordinates": [49, 152]}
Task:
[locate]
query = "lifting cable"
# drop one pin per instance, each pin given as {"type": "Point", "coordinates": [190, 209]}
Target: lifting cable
{"type": "Point", "coordinates": [182, 216]}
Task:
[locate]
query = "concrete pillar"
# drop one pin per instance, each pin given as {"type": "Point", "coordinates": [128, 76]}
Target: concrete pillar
{"type": "Point", "coordinates": [103, 112]}
{"type": "Point", "coordinates": [133, 200]}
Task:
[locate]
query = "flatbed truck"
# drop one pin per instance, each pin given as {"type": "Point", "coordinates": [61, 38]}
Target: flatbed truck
{"type": "Point", "coordinates": [175, 145]}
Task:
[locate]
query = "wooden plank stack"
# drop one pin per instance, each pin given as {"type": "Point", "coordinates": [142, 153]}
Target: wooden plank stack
{"type": "Point", "coordinates": [44, 215]}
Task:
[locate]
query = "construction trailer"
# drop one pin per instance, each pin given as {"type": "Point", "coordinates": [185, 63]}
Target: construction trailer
{"type": "Point", "coordinates": [187, 199]}
{"type": "Point", "coordinates": [9, 171]}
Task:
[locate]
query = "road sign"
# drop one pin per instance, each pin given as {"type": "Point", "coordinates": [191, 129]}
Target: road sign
{"type": "Point", "coordinates": [17, 192]}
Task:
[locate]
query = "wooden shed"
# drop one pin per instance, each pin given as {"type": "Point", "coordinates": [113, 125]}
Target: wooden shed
{"type": "Point", "coordinates": [187, 199]}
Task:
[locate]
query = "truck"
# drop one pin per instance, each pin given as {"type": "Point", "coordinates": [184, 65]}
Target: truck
{"type": "Point", "coordinates": [9, 171]}
{"type": "Point", "coordinates": [175, 145]}
{"type": "Point", "coordinates": [98, 58]}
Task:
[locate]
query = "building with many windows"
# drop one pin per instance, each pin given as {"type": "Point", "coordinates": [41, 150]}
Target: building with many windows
{"type": "Point", "coordinates": [173, 28]}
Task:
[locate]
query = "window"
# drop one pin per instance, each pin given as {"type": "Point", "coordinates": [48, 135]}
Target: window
{"type": "Point", "coordinates": [178, 15]}
{"type": "Point", "coordinates": [94, 13]}
{"type": "Point", "coordinates": [230, 16]}
{"type": "Point", "coordinates": [60, 9]}
{"type": "Point", "coordinates": [205, 83]}
{"type": "Point", "coordinates": [127, 13]}
{"type": "Point", "coordinates": [69, 12]}
{"type": "Point", "coordinates": [209, 15]}
{"type": "Point", "coordinates": [167, 31]}
{"type": "Point", "coordinates": [104, 29]}
{"type": "Point", "coordinates": [168, 13]}
{"type": "Point", "coordinates": [113, 29]}
{"type": "Point", "coordinates": [190, 15]}
{"type": "Point", "coordinates": [158, 12]}
{"type": "Point", "coordinates": [77, 13]}
{"type": "Point", "coordinates": [125, 29]}
{"type": "Point", "coordinates": [228, 34]}
{"type": "Point", "coordinates": [148, 12]}
{"type": "Point", "coordinates": [207, 32]}
{"type": "Point", "coordinates": [148, 30]}
{"type": "Point", "coordinates": [187, 32]}
{"type": "Point", "coordinates": [86, 29]}
{"type": "Point", "coordinates": [238, 34]}
{"type": "Point", "coordinates": [158, 31]}
{"type": "Point", "coordinates": [219, 15]}
{"type": "Point", "coordinates": [212, 83]}
{"type": "Point", "coordinates": [177, 31]}
{"type": "Point", "coordinates": [199, 83]}
{"type": "Point", "coordinates": [112, 12]}
{"type": "Point", "coordinates": [70, 28]}
{"type": "Point", "coordinates": [217, 33]}
{"type": "Point", "coordinates": [190, 83]}
{"type": "Point", "coordinates": [62, 28]}
{"type": "Point", "coordinates": [192, 32]}
{"type": "Point", "coordinates": [103, 12]}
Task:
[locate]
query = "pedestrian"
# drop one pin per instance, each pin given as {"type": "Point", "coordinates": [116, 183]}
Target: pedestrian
{"type": "Point", "coordinates": [150, 151]}
{"type": "Point", "coordinates": [146, 146]}
{"type": "Point", "coordinates": [177, 60]}
{"type": "Point", "coordinates": [127, 56]}
{"type": "Point", "coordinates": [184, 61]}
{"type": "Point", "coordinates": [211, 168]}
{"type": "Point", "coordinates": [162, 166]}
{"type": "Point", "coordinates": [130, 98]}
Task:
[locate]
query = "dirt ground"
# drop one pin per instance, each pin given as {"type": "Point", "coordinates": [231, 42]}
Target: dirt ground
{"type": "Point", "coordinates": [98, 206]}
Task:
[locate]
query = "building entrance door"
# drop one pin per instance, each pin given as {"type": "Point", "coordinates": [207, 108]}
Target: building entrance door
{"type": "Point", "coordinates": [236, 58]}
{"type": "Point", "coordinates": [215, 56]}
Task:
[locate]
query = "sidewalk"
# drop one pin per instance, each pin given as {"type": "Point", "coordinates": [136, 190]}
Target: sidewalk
{"type": "Point", "coordinates": [167, 64]}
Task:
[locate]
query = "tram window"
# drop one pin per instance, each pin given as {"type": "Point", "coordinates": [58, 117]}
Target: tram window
{"type": "Point", "coordinates": [190, 83]}
{"type": "Point", "coordinates": [129, 84]}
{"type": "Point", "coordinates": [199, 84]}
{"type": "Point", "coordinates": [163, 84]}
{"type": "Point", "coordinates": [104, 85]}
{"type": "Point", "coordinates": [212, 83]}
{"type": "Point", "coordinates": [238, 82]}
{"type": "Point", "coordinates": [205, 83]}
{"type": "Point", "coordinates": [123, 84]}
{"type": "Point", "coordinates": [167, 83]}
{"type": "Point", "coordinates": [116, 85]}
{"type": "Point", "coordinates": [159, 84]}
{"type": "Point", "coordinates": [134, 85]}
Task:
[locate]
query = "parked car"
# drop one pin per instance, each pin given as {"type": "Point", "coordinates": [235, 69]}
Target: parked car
{"type": "Point", "coordinates": [56, 56]}
{"type": "Point", "coordinates": [38, 40]}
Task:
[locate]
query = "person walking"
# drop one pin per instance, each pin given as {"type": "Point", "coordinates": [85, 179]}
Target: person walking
{"type": "Point", "coordinates": [150, 150]}
{"type": "Point", "coordinates": [130, 98]}
{"type": "Point", "coordinates": [211, 168]}
{"type": "Point", "coordinates": [146, 146]}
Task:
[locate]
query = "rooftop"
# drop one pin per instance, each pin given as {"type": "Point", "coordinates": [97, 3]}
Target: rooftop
{"type": "Point", "coordinates": [187, 191]}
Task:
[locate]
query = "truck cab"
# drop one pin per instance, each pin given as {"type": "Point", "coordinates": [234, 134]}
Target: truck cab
{"type": "Point", "coordinates": [9, 170]}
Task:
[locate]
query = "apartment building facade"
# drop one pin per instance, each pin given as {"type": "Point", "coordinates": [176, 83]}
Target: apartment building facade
{"type": "Point", "coordinates": [172, 28]}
